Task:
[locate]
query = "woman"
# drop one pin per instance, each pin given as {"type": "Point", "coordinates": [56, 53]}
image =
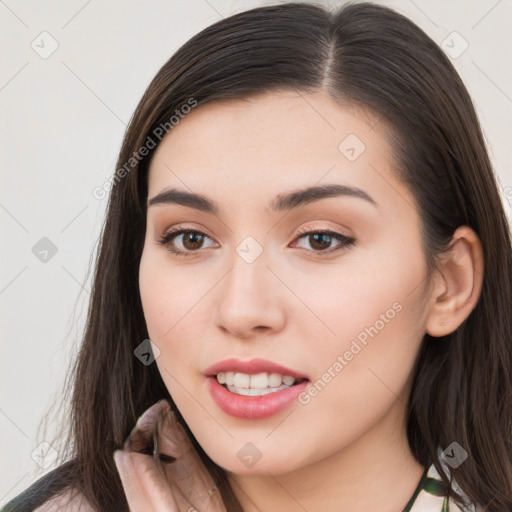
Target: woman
{"type": "Point", "coordinates": [305, 223]}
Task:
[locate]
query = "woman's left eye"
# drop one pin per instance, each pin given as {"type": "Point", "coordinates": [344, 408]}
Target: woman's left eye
{"type": "Point", "coordinates": [319, 241]}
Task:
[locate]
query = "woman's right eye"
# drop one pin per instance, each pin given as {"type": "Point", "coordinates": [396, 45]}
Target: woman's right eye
{"type": "Point", "coordinates": [189, 239]}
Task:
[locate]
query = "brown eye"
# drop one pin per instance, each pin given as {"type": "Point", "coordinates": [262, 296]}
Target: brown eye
{"type": "Point", "coordinates": [192, 240]}
{"type": "Point", "coordinates": [184, 242]}
{"type": "Point", "coordinates": [320, 240]}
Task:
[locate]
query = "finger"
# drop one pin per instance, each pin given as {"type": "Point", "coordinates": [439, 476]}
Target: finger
{"type": "Point", "coordinates": [145, 487]}
{"type": "Point", "coordinates": [188, 471]}
{"type": "Point", "coordinates": [141, 438]}
{"type": "Point", "coordinates": [183, 503]}
{"type": "Point", "coordinates": [196, 486]}
{"type": "Point", "coordinates": [190, 481]}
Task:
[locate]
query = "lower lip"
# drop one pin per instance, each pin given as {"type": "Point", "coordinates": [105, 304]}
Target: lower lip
{"type": "Point", "coordinates": [253, 407]}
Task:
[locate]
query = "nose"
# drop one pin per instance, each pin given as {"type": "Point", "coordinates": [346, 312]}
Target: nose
{"type": "Point", "coordinates": [250, 300]}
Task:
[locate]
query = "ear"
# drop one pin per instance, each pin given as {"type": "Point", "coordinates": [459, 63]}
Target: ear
{"type": "Point", "coordinates": [458, 283]}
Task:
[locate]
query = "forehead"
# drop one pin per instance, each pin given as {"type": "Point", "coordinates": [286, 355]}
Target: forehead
{"type": "Point", "coordinates": [270, 143]}
{"type": "Point", "coordinates": [281, 120]}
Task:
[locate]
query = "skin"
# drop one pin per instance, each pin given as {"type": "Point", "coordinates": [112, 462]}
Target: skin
{"type": "Point", "coordinates": [346, 449]}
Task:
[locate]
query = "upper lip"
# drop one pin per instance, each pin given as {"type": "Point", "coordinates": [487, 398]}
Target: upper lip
{"type": "Point", "coordinates": [251, 367]}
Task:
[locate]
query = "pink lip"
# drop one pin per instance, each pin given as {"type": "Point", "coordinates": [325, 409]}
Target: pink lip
{"type": "Point", "coordinates": [252, 367]}
{"type": "Point", "coordinates": [253, 407]}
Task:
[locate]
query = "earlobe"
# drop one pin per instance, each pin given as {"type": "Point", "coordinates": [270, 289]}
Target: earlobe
{"type": "Point", "coordinates": [458, 283]}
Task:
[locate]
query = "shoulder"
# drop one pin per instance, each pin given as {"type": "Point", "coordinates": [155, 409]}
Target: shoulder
{"type": "Point", "coordinates": [51, 492]}
{"type": "Point", "coordinates": [69, 501]}
{"type": "Point", "coordinates": [433, 494]}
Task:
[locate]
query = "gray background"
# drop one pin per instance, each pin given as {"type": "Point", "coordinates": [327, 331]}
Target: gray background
{"type": "Point", "coordinates": [63, 117]}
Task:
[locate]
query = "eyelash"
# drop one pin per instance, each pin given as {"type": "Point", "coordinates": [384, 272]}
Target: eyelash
{"type": "Point", "coordinates": [346, 241]}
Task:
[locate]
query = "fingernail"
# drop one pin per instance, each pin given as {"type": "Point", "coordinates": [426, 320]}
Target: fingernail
{"type": "Point", "coordinates": [148, 416]}
{"type": "Point", "coordinates": [164, 403]}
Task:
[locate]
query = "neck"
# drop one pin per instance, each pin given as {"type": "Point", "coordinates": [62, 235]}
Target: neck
{"type": "Point", "coordinates": [375, 472]}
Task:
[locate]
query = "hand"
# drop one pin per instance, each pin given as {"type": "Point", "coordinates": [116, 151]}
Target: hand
{"type": "Point", "coordinates": [161, 471]}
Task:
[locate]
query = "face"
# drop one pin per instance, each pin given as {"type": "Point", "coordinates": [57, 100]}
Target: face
{"type": "Point", "coordinates": [331, 286]}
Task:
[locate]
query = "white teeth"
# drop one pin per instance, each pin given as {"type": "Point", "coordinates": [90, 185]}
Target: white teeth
{"type": "Point", "coordinates": [260, 381]}
{"type": "Point", "coordinates": [274, 380]}
{"type": "Point", "coordinates": [255, 392]}
{"type": "Point", "coordinates": [241, 380]}
{"type": "Point", "coordinates": [288, 380]}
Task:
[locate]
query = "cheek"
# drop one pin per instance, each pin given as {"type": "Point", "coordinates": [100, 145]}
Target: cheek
{"type": "Point", "coordinates": [154, 298]}
{"type": "Point", "coordinates": [360, 297]}
{"type": "Point", "coordinates": [372, 324]}
{"type": "Point", "coordinates": [171, 301]}
{"type": "Point", "coordinates": [167, 295]}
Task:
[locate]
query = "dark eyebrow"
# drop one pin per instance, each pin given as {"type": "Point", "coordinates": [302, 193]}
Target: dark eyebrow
{"type": "Point", "coordinates": [190, 199]}
{"type": "Point", "coordinates": [282, 202]}
{"type": "Point", "coordinates": [308, 195]}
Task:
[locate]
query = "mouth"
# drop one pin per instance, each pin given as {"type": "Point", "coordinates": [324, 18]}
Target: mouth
{"type": "Point", "coordinates": [254, 389]}
{"type": "Point", "coordinates": [259, 384]}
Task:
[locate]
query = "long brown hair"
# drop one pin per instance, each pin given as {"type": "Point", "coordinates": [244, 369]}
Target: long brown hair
{"type": "Point", "coordinates": [361, 54]}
